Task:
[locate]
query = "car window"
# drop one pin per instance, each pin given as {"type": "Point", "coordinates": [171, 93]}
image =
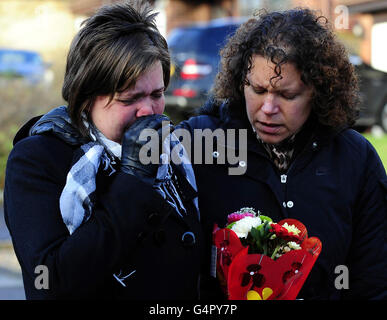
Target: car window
{"type": "Point", "coordinates": [207, 41]}
{"type": "Point", "coordinates": [15, 58]}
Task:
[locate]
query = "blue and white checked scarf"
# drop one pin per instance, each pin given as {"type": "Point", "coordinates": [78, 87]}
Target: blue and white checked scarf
{"type": "Point", "coordinates": [75, 202]}
{"type": "Point", "coordinates": [78, 196]}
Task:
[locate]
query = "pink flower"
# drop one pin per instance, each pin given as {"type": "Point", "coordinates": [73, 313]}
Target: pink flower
{"type": "Point", "coordinates": [238, 216]}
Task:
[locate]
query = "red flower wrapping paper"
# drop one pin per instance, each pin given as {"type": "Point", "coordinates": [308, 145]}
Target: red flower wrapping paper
{"type": "Point", "coordinates": [257, 276]}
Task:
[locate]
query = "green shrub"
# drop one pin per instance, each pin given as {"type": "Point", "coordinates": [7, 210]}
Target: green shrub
{"type": "Point", "coordinates": [19, 103]}
{"type": "Point", "coordinates": [380, 144]}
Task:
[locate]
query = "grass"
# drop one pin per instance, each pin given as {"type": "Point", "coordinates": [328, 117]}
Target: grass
{"type": "Point", "coordinates": [380, 144]}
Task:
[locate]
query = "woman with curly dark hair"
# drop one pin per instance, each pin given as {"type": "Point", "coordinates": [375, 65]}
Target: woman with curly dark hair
{"type": "Point", "coordinates": [288, 82]}
{"type": "Point", "coordinates": [305, 41]}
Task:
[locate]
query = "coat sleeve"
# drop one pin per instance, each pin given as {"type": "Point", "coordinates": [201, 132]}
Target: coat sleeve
{"type": "Point", "coordinates": [367, 263]}
{"type": "Point", "coordinates": [80, 264]}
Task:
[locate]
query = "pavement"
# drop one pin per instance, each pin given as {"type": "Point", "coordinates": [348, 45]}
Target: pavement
{"type": "Point", "coordinates": [11, 282]}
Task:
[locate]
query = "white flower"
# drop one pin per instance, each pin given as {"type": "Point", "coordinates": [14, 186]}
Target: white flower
{"type": "Point", "coordinates": [293, 245]}
{"type": "Point", "coordinates": [291, 228]}
{"type": "Point", "coordinates": [287, 249]}
{"type": "Point", "coordinates": [242, 227]}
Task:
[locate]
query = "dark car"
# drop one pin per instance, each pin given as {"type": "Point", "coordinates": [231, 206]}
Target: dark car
{"type": "Point", "coordinates": [195, 60]}
{"type": "Point", "coordinates": [24, 64]}
{"type": "Point", "coordinates": [373, 91]}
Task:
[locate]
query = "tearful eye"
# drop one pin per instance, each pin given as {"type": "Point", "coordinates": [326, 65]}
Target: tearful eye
{"type": "Point", "coordinates": [157, 95]}
{"type": "Point", "coordinates": [127, 102]}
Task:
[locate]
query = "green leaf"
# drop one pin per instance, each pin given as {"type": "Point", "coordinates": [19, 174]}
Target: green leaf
{"type": "Point", "coordinates": [254, 233]}
{"type": "Point", "coordinates": [263, 228]}
{"type": "Point", "coordinates": [265, 218]}
{"type": "Point", "coordinates": [258, 228]}
{"type": "Point", "coordinates": [259, 245]}
{"type": "Point", "coordinates": [230, 225]}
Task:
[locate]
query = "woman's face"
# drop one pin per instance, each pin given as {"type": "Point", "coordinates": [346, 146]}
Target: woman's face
{"type": "Point", "coordinates": [145, 98]}
{"type": "Point", "coordinates": [280, 111]}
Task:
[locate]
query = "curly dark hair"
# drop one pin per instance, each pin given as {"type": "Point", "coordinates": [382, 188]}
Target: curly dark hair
{"type": "Point", "coordinates": [307, 40]}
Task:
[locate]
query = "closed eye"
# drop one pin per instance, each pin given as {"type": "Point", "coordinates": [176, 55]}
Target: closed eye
{"type": "Point", "coordinates": [256, 88]}
{"type": "Point", "coordinates": [127, 102]}
{"type": "Point", "coordinates": [259, 91]}
{"type": "Point", "coordinates": [289, 96]}
{"type": "Point", "coordinates": [157, 94]}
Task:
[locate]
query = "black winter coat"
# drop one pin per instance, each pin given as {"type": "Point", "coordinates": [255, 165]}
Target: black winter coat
{"type": "Point", "coordinates": [336, 186]}
{"type": "Point", "coordinates": [131, 228]}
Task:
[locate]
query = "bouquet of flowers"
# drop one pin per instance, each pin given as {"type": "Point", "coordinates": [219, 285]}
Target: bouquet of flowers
{"type": "Point", "coordinates": [258, 259]}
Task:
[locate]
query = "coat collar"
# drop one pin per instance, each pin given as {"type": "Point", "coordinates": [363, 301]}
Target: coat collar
{"type": "Point", "coordinates": [56, 122]}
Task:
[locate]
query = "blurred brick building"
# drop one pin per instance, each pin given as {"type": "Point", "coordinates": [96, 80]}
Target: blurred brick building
{"type": "Point", "coordinates": [365, 30]}
{"type": "Point", "coordinates": [361, 24]}
{"type": "Point", "coordinates": [370, 20]}
{"type": "Point", "coordinates": [174, 12]}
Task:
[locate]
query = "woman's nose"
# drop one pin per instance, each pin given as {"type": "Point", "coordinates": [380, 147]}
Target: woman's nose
{"type": "Point", "coordinates": [270, 105]}
{"type": "Point", "coordinates": [145, 109]}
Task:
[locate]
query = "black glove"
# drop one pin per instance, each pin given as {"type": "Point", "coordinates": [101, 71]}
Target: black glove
{"type": "Point", "coordinates": [132, 145]}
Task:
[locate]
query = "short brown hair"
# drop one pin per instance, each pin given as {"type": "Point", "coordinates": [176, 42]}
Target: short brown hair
{"type": "Point", "coordinates": [112, 49]}
{"type": "Point", "coordinates": [301, 37]}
